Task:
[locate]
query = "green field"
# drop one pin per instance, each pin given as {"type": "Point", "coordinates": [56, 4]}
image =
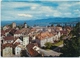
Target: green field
{"type": "Point", "coordinates": [58, 43]}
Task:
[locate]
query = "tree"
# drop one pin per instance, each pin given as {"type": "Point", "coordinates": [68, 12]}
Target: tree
{"type": "Point", "coordinates": [72, 46]}
{"type": "Point", "coordinates": [10, 25]}
{"type": "Point", "coordinates": [48, 45]}
{"type": "Point", "coordinates": [52, 25]}
{"type": "Point", "coordinates": [19, 27]}
{"type": "Point", "coordinates": [61, 38]}
{"type": "Point", "coordinates": [58, 25]}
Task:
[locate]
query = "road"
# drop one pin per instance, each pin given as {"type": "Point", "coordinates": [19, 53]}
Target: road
{"type": "Point", "coordinates": [49, 52]}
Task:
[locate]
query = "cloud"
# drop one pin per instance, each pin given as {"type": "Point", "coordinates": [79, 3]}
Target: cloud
{"type": "Point", "coordinates": [38, 10]}
{"type": "Point", "coordinates": [33, 7]}
{"type": "Point", "coordinates": [77, 10]}
{"type": "Point", "coordinates": [25, 15]}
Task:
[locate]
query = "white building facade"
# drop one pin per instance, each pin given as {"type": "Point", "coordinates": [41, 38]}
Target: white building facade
{"type": "Point", "coordinates": [17, 50]}
{"type": "Point", "coordinates": [7, 51]}
{"type": "Point", "coordinates": [25, 40]}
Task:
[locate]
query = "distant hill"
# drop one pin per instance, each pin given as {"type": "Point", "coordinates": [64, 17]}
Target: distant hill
{"type": "Point", "coordinates": [42, 22]}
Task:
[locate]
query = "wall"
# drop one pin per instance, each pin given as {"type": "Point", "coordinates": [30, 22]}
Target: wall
{"type": "Point", "coordinates": [7, 52]}
{"type": "Point", "coordinates": [17, 51]}
{"type": "Point", "coordinates": [26, 40]}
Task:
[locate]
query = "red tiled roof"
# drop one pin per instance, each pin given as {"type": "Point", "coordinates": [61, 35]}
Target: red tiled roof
{"type": "Point", "coordinates": [32, 52]}
{"type": "Point", "coordinates": [32, 30]}
{"type": "Point", "coordinates": [15, 39]}
{"type": "Point", "coordinates": [13, 31]}
{"type": "Point", "coordinates": [68, 27]}
{"type": "Point", "coordinates": [10, 45]}
{"type": "Point", "coordinates": [63, 32]}
{"type": "Point", "coordinates": [58, 28]}
{"type": "Point", "coordinates": [23, 30]}
{"type": "Point", "coordinates": [16, 44]}
{"type": "Point", "coordinates": [9, 38]}
{"type": "Point", "coordinates": [6, 45]}
{"type": "Point", "coordinates": [43, 35]}
{"type": "Point", "coordinates": [8, 30]}
{"type": "Point", "coordinates": [17, 32]}
{"type": "Point", "coordinates": [2, 32]}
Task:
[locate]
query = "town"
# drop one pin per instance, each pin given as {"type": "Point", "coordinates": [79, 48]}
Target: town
{"type": "Point", "coordinates": [37, 28]}
{"type": "Point", "coordinates": [25, 41]}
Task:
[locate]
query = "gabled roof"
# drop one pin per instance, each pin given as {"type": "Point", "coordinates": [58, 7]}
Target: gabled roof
{"type": "Point", "coordinates": [68, 27]}
{"type": "Point", "coordinates": [9, 38]}
{"type": "Point", "coordinates": [33, 29]}
{"type": "Point", "coordinates": [63, 32]}
{"type": "Point", "coordinates": [8, 30]}
{"type": "Point", "coordinates": [17, 32]}
{"type": "Point", "coordinates": [17, 40]}
{"type": "Point", "coordinates": [2, 32]}
{"type": "Point", "coordinates": [15, 44]}
{"type": "Point", "coordinates": [13, 31]}
{"type": "Point", "coordinates": [23, 30]}
{"type": "Point", "coordinates": [43, 35]}
{"type": "Point", "coordinates": [6, 45]}
{"type": "Point", "coordinates": [32, 52]}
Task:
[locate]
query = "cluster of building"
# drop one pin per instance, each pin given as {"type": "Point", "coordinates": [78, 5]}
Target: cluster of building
{"type": "Point", "coordinates": [13, 39]}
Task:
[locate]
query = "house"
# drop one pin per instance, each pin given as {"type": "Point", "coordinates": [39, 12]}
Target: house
{"type": "Point", "coordinates": [6, 27]}
{"type": "Point", "coordinates": [12, 32]}
{"type": "Point", "coordinates": [49, 29]}
{"type": "Point", "coordinates": [18, 49]}
{"type": "Point", "coordinates": [55, 38]}
{"type": "Point", "coordinates": [8, 39]}
{"type": "Point", "coordinates": [6, 49]}
{"type": "Point", "coordinates": [58, 34]}
{"type": "Point", "coordinates": [18, 40]}
{"type": "Point", "coordinates": [31, 51]}
{"type": "Point", "coordinates": [5, 32]}
{"type": "Point", "coordinates": [24, 31]}
{"type": "Point", "coordinates": [33, 37]}
{"type": "Point", "coordinates": [32, 31]}
{"type": "Point", "coordinates": [58, 28]}
{"type": "Point", "coordinates": [63, 32]}
{"type": "Point", "coordinates": [36, 48]}
{"type": "Point", "coordinates": [2, 34]}
{"type": "Point", "coordinates": [44, 37]}
{"type": "Point", "coordinates": [17, 28]}
{"type": "Point", "coordinates": [68, 28]}
{"type": "Point", "coordinates": [25, 40]}
{"type": "Point", "coordinates": [17, 33]}
{"type": "Point", "coordinates": [37, 28]}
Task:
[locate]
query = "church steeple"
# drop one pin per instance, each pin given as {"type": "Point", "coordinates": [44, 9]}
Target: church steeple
{"type": "Point", "coordinates": [25, 25]}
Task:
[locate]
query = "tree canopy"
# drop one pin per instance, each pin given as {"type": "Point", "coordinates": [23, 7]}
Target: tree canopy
{"type": "Point", "coordinates": [48, 45]}
{"type": "Point", "coordinates": [72, 46]}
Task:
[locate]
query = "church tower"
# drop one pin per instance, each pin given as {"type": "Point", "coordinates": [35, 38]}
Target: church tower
{"type": "Point", "coordinates": [13, 25]}
{"type": "Point", "coordinates": [25, 25]}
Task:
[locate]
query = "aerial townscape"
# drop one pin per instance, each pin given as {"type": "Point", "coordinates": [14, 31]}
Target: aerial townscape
{"type": "Point", "coordinates": [35, 41]}
{"type": "Point", "coordinates": [40, 28]}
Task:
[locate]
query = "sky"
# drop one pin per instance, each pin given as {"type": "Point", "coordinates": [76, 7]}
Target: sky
{"type": "Point", "coordinates": [34, 10]}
